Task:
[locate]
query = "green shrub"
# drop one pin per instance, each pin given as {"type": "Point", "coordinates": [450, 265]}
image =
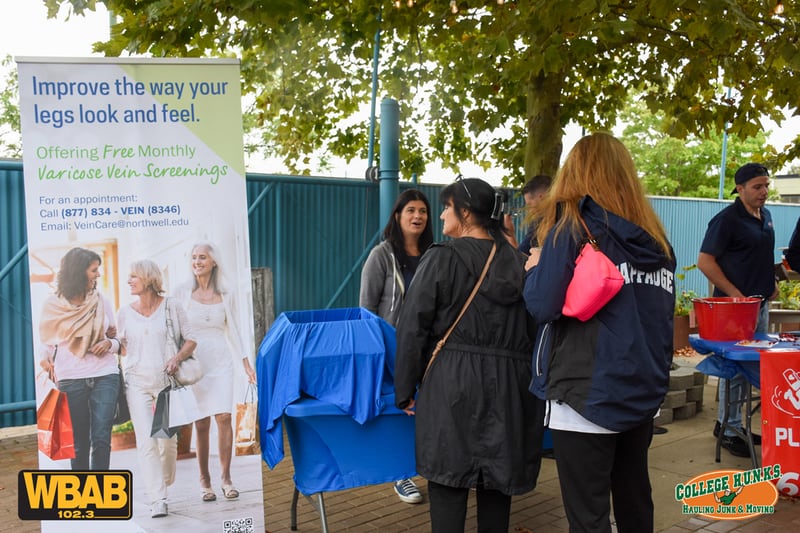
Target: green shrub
{"type": "Point", "coordinates": [789, 294]}
{"type": "Point", "coordinates": [122, 428]}
{"type": "Point", "coordinates": [683, 298]}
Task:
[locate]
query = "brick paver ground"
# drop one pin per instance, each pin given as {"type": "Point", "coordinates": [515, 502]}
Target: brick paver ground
{"type": "Point", "coordinates": [685, 451]}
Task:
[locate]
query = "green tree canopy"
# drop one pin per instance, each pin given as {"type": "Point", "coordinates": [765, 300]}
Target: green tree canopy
{"type": "Point", "coordinates": [10, 142]}
{"type": "Point", "coordinates": [483, 81]}
{"type": "Point", "coordinates": [687, 167]}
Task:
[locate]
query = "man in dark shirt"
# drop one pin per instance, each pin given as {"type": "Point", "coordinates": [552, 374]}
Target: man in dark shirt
{"type": "Point", "coordinates": [532, 193]}
{"type": "Point", "coordinates": [737, 257]}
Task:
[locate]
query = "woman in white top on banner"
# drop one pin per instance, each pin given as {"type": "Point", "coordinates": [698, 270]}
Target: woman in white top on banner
{"type": "Point", "coordinates": [146, 364]}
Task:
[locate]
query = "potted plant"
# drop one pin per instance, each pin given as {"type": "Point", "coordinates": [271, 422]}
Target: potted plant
{"type": "Point", "coordinates": [684, 322]}
{"type": "Point", "coordinates": [123, 437]}
{"type": "Point", "coordinates": [683, 303]}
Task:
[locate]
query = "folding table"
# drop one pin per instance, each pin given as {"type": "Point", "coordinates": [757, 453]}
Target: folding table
{"type": "Point", "coordinates": [726, 359]}
{"type": "Point", "coordinates": [327, 375]}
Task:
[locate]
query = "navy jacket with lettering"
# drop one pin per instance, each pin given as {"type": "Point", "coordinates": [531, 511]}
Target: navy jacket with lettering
{"type": "Point", "coordinates": [614, 368]}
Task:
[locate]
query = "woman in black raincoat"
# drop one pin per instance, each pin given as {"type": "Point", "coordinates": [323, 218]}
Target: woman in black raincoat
{"type": "Point", "coordinates": [477, 425]}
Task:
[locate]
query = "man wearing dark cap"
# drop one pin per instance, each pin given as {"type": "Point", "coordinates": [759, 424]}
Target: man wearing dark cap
{"type": "Point", "coordinates": [738, 258]}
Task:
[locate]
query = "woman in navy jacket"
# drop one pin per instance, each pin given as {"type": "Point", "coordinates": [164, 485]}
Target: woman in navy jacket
{"type": "Point", "coordinates": [605, 378]}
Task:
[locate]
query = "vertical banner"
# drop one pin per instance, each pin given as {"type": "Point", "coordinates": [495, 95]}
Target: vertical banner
{"type": "Point", "coordinates": [137, 240]}
{"type": "Point", "coordinates": [780, 416]}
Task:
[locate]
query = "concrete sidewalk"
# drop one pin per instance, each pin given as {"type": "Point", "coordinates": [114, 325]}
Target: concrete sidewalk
{"type": "Point", "coordinates": [685, 451]}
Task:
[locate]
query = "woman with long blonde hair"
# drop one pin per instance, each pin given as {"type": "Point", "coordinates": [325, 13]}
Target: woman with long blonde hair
{"type": "Point", "coordinates": [604, 378]}
{"type": "Point", "coordinates": [601, 167]}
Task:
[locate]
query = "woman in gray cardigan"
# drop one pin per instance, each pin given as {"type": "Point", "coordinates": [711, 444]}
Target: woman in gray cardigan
{"type": "Point", "coordinates": [388, 272]}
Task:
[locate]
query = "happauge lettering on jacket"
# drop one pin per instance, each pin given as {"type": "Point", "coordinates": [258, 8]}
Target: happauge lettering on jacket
{"type": "Point", "coordinates": [660, 278]}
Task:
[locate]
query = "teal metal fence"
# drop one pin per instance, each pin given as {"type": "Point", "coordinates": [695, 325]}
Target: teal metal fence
{"type": "Point", "coordinates": [16, 361]}
{"type": "Point", "coordinates": [314, 233]}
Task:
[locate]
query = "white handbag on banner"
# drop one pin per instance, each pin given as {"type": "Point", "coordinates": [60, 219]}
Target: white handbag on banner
{"type": "Point", "coordinates": [182, 407]}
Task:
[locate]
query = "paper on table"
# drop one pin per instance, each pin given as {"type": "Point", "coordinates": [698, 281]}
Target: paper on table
{"type": "Point", "coordinates": [757, 344]}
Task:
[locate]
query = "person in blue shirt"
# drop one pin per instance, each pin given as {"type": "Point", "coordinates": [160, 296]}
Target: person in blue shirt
{"type": "Point", "coordinates": [737, 257]}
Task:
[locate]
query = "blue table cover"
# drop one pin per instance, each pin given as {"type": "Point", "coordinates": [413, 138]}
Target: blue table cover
{"type": "Point", "coordinates": [330, 451]}
{"type": "Point", "coordinates": [726, 359]}
{"type": "Point", "coordinates": [344, 357]}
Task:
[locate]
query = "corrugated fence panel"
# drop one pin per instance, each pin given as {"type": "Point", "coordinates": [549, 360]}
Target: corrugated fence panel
{"type": "Point", "coordinates": [686, 219]}
{"type": "Point", "coordinates": [16, 352]}
{"type": "Point", "coordinates": [310, 232]}
{"type": "Point", "coordinates": [314, 233]}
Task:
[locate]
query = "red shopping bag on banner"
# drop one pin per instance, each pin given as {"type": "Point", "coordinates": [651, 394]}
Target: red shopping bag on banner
{"type": "Point", "coordinates": [780, 416]}
{"type": "Point", "coordinates": [54, 426]}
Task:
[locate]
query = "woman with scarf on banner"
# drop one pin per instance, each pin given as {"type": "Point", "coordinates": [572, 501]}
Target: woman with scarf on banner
{"type": "Point", "coordinates": [211, 313]}
{"type": "Point", "coordinates": [147, 364]}
{"type": "Point", "coordinates": [77, 329]}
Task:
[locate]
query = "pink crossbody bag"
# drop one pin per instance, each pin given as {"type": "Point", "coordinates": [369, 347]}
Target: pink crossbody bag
{"type": "Point", "coordinates": [595, 282]}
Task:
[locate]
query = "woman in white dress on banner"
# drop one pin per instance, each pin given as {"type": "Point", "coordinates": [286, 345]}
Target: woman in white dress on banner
{"type": "Point", "coordinates": [211, 312]}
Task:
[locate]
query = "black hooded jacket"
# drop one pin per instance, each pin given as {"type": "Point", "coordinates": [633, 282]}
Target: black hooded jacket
{"type": "Point", "coordinates": [475, 418]}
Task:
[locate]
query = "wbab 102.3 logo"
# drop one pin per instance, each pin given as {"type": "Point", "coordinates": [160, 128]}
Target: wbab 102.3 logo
{"type": "Point", "coordinates": [68, 495]}
{"type": "Point", "coordinates": [730, 494]}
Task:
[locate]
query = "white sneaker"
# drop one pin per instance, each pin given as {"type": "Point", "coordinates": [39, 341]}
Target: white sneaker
{"type": "Point", "coordinates": [408, 491]}
{"type": "Point", "coordinates": [158, 509]}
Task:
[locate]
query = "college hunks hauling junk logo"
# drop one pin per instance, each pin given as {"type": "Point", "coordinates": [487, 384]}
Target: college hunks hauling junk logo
{"type": "Point", "coordinates": [730, 494]}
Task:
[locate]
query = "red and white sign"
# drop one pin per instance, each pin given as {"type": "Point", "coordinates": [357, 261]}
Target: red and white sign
{"type": "Point", "coordinates": [780, 416]}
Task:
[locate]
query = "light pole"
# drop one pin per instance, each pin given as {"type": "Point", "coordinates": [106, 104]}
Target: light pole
{"type": "Point", "coordinates": [724, 156]}
{"type": "Point", "coordinates": [376, 52]}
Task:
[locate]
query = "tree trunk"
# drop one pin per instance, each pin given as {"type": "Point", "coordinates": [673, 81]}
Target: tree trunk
{"type": "Point", "coordinates": [543, 150]}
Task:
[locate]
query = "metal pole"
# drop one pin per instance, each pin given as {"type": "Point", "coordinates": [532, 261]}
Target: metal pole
{"type": "Point", "coordinates": [14, 260]}
{"type": "Point", "coordinates": [263, 194]}
{"type": "Point", "coordinates": [724, 157]}
{"type": "Point", "coordinates": [375, 60]}
{"type": "Point", "coordinates": [389, 173]}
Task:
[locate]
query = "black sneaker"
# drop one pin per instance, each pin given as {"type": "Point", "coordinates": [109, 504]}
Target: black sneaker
{"type": "Point", "coordinates": [736, 445]}
{"type": "Point", "coordinates": [756, 436]}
